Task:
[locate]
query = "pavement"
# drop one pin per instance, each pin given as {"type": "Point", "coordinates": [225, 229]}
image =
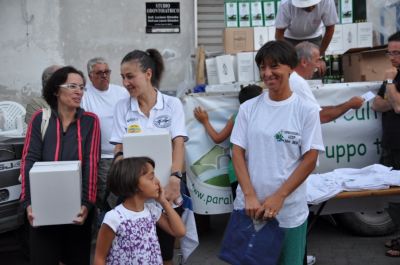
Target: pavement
{"type": "Point", "coordinates": [329, 243]}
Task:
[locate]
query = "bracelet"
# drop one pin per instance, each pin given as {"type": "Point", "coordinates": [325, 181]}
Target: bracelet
{"type": "Point", "coordinates": [117, 154]}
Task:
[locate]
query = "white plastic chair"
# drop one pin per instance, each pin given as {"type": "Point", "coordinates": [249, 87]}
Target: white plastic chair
{"type": "Point", "coordinates": [12, 118]}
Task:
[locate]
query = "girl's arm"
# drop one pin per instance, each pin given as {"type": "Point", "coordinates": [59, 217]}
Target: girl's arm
{"type": "Point", "coordinates": [218, 137]}
{"type": "Point", "coordinates": [273, 204]}
{"type": "Point", "coordinates": [170, 221]}
{"type": "Point", "coordinates": [103, 244]}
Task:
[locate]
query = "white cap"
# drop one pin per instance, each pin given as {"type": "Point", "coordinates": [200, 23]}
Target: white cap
{"type": "Point", "coordinates": [304, 3]}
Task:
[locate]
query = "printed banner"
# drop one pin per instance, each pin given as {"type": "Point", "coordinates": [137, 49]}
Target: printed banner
{"type": "Point", "coordinates": [353, 140]}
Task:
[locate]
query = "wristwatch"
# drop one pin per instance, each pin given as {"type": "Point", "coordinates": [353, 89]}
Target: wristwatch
{"type": "Point", "coordinates": [117, 154]}
{"type": "Point", "coordinates": [388, 81]}
{"type": "Point", "coordinates": [177, 174]}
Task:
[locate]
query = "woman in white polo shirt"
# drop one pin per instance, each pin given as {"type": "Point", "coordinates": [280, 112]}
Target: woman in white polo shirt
{"type": "Point", "coordinates": [276, 140]}
{"type": "Point", "coordinates": [148, 109]}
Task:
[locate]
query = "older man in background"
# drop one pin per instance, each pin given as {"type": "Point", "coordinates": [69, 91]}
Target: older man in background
{"type": "Point", "coordinates": [308, 55]}
{"type": "Point", "coordinates": [100, 98]}
{"type": "Point", "coordinates": [309, 59]}
{"type": "Point", "coordinates": [38, 103]}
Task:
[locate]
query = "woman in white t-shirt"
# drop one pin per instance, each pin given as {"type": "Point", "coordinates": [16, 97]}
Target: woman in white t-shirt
{"type": "Point", "coordinates": [276, 140]}
{"type": "Point", "coordinates": [148, 109]}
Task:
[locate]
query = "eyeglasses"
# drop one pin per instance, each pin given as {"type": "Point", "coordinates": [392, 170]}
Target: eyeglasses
{"type": "Point", "coordinates": [392, 53]}
{"type": "Point", "coordinates": [101, 73]}
{"type": "Point", "coordinates": [73, 86]}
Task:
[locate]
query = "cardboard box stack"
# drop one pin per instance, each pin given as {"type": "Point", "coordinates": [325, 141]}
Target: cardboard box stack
{"type": "Point", "coordinates": [250, 24]}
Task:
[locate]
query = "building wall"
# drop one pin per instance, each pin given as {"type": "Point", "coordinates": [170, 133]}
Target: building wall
{"type": "Point", "coordinates": [38, 33]}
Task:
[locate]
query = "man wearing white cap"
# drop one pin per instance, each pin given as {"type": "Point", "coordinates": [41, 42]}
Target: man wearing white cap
{"type": "Point", "coordinates": [300, 20]}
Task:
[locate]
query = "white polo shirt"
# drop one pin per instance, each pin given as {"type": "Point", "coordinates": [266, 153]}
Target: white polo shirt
{"type": "Point", "coordinates": [276, 135]}
{"type": "Point", "coordinates": [303, 25]}
{"type": "Point", "coordinates": [166, 114]}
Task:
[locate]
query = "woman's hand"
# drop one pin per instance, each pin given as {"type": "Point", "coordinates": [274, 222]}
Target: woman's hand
{"type": "Point", "coordinates": [82, 215]}
{"type": "Point", "coordinates": [173, 189]}
{"type": "Point", "coordinates": [29, 214]}
{"type": "Point", "coordinates": [271, 207]}
{"type": "Point", "coordinates": [200, 114]}
{"type": "Point", "coordinates": [252, 205]}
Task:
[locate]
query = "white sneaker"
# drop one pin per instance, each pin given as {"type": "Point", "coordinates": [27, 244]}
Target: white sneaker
{"type": "Point", "coordinates": [311, 260]}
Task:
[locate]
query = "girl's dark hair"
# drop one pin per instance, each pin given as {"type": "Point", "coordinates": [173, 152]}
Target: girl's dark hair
{"type": "Point", "coordinates": [123, 177]}
{"type": "Point", "coordinates": [277, 52]}
{"type": "Point", "coordinates": [58, 78]}
{"type": "Point", "coordinates": [149, 59]}
{"type": "Point", "coordinates": [248, 92]}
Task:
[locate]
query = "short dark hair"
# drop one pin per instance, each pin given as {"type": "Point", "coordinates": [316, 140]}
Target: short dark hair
{"type": "Point", "coordinates": [123, 177]}
{"type": "Point", "coordinates": [149, 59]}
{"type": "Point", "coordinates": [58, 78]}
{"type": "Point", "coordinates": [281, 52]}
{"type": "Point", "coordinates": [249, 92]}
{"type": "Point", "coordinates": [395, 36]}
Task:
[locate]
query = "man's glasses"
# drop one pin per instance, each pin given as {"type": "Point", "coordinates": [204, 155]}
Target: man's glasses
{"type": "Point", "coordinates": [101, 73]}
{"type": "Point", "coordinates": [73, 86]}
{"type": "Point", "coordinates": [393, 53]}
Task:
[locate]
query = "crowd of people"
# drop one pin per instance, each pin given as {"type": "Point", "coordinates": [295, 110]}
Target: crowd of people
{"type": "Point", "coordinates": [275, 140]}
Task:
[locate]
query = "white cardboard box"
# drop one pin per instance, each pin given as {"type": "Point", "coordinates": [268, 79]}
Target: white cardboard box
{"type": "Point", "coordinates": [260, 37]}
{"type": "Point", "coordinates": [346, 11]}
{"type": "Point", "coordinates": [349, 36]}
{"type": "Point", "coordinates": [231, 14]}
{"type": "Point", "coordinates": [211, 69]}
{"type": "Point", "coordinates": [55, 192]}
{"type": "Point", "coordinates": [269, 12]}
{"type": "Point", "coordinates": [245, 71]}
{"type": "Point", "coordinates": [271, 33]}
{"type": "Point", "coordinates": [256, 13]}
{"type": "Point", "coordinates": [244, 14]}
{"type": "Point", "coordinates": [155, 144]}
{"type": "Point", "coordinates": [336, 45]}
{"type": "Point", "coordinates": [256, 71]}
{"type": "Point", "coordinates": [225, 70]}
{"type": "Point", "coordinates": [364, 35]}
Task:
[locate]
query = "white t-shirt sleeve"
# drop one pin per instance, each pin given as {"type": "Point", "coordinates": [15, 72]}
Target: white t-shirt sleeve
{"type": "Point", "coordinates": [178, 127]}
{"type": "Point", "coordinates": [154, 210]}
{"type": "Point", "coordinates": [119, 123]}
{"type": "Point", "coordinates": [283, 17]}
{"type": "Point", "coordinates": [329, 16]}
{"type": "Point", "coordinates": [312, 133]}
{"type": "Point", "coordinates": [239, 131]}
{"type": "Point", "coordinates": [112, 220]}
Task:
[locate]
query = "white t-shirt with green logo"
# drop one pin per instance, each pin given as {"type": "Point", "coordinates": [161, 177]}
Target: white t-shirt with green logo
{"type": "Point", "coordinates": [275, 135]}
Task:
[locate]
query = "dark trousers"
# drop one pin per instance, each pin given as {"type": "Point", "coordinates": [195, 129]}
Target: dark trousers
{"type": "Point", "coordinates": [391, 158]}
{"type": "Point", "coordinates": [67, 243]}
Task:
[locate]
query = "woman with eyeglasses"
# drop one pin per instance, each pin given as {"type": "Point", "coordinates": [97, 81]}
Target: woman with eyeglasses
{"type": "Point", "coordinates": [71, 134]}
{"type": "Point", "coordinates": [148, 109]}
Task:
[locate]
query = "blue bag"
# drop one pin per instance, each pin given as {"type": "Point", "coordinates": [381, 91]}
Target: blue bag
{"type": "Point", "coordinates": [243, 244]}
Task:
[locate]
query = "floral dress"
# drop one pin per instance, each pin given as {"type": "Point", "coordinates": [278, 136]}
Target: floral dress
{"type": "Point", "coordinates": [135, 239]}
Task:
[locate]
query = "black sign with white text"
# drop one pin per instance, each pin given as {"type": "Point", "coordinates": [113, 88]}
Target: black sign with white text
{"type": "Point", "coordinates": [163, 17]}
